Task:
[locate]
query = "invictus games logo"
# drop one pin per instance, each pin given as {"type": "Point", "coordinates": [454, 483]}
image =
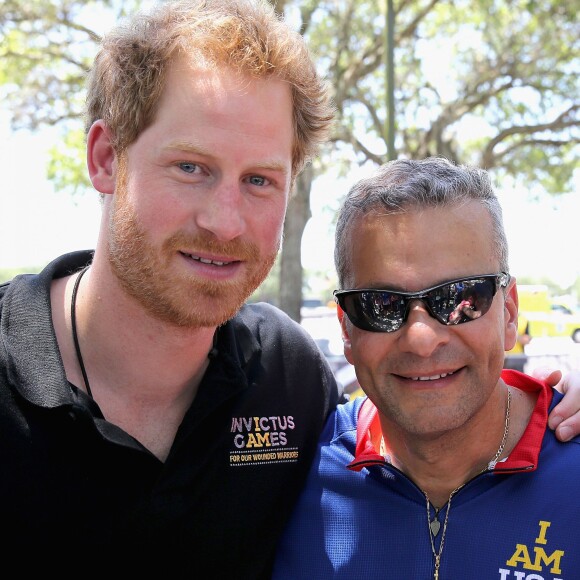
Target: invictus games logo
{"type": "Point", "coordinates": [259, 440]}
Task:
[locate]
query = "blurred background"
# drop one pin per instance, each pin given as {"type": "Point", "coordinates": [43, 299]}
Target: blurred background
{"type": "Point", "coordinates": [492, 83]}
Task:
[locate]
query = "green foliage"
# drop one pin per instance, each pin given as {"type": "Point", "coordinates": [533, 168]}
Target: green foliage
{"type": "Point", "coordinates": [6, 274]}
{"type": "Point", "coordinates": [268, 290]}
{"type": "Point", "coordinates": [321, 284]}
{"type": "Point", "coordinates": [555, 289]}
{"type": "Point", "coordinates": [318, 284]}
{"type": "Point", "coordinates": [46, 48]}
{"type": "Point", "coordinates": [45, 52]}
{"type": "Point", "coordinates": [66, 167]}
{"type": "Point", "coordinates": [488, 82]}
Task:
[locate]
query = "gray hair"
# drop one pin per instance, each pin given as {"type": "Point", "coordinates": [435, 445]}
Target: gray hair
{"type": "Point", "coordinates": [414, 184]}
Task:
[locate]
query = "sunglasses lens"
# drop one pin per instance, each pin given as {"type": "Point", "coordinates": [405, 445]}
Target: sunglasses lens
{"type": "Point", "coordinates": [462, 301]}
{"type": "Point", "coordinates": [453, 303]}
{"type": "Point", "coordinates": [375, 310]}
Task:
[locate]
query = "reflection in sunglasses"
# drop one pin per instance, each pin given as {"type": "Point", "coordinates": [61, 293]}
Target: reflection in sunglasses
{"type": "Point", "coordinates": [464, 308]}
{"type": "Point", "coordinates": [454, 302]}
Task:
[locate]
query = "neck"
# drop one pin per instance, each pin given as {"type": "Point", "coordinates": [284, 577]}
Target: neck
{"type": "Point", "coordinates": [157, 359]}
{"type": "Point", "coordinates": [143, 374]}
{"type": "Point", "coordinates": [438, 487]}
{"type": "Point", "coordinates": [443, 463]}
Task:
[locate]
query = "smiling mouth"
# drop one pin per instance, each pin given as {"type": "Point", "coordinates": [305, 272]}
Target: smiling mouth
{"type": "Point", "coordinates": [433, 377]}
{"type": "Point", "coordinates": [206, 260]}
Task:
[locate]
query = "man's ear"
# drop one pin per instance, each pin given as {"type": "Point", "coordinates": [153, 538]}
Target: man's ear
{"type": "Point", "coordinates": [511, 307]}
{"type": "Point", "coordinates": [101, 158]}
{"type": "Point", "coordinates": [343, 320]}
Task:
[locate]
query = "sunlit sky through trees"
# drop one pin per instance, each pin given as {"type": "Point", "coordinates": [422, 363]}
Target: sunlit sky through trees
{"type": "Point", "coordinates": [37, 224]}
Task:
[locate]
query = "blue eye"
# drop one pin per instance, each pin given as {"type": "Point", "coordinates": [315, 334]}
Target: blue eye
{"type": "Point", "coordinates": [257, 180]}
{"type": "Point", "coordinates": [188, 167]}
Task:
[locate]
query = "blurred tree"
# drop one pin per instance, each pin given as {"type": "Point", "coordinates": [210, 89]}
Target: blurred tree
{"type": "Point", "coordinates": [488, 82]}
{"type": "Point", "coordinates": [46, 47]}
{"type": "Point", "coordinates": [493, 83]}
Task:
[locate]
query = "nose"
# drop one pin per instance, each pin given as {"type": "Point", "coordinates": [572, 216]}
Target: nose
{"type": "Point", "coordinates": [422, 334]}
{"type": "Point", "coordinates": [221, 211]}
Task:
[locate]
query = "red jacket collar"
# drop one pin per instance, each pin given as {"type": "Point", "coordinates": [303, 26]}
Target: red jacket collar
{"type": "Point", "coordinates": [524, 456]}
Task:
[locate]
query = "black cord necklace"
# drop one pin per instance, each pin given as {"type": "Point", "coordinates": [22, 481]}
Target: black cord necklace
{"type": "Point", "coordinates": [73, 321]}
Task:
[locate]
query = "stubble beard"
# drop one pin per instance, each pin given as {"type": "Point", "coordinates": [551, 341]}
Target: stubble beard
{"type": "Point", "coordinates": [184, 301]}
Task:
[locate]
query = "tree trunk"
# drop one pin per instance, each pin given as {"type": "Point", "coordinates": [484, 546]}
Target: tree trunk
{"type": "Point", "coordinates": [297, 217]}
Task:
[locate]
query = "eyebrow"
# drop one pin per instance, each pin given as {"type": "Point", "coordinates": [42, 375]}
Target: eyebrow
{"type": "Point", "coordinates": [192, 147]}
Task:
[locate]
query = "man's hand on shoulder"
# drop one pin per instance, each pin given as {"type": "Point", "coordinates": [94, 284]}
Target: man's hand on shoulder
{"type": "Point", "coordinates": [565, 417]}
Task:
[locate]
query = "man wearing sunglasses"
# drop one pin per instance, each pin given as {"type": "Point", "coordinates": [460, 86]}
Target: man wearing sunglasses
{"type": "Point", "coordinates": [447, 470]}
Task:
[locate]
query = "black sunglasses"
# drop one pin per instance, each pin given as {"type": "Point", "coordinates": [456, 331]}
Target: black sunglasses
{"type": "Point", "coordinates": [453, 302]}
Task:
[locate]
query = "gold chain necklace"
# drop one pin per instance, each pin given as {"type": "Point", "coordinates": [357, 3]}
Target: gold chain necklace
{"type": "Point", "coordinates": [435, 525]}
{"type": "Point", "coordinates": [434, 529]}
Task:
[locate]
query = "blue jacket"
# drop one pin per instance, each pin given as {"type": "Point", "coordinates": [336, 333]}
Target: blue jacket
{"type": "Point", "coordinates": [361, 518]}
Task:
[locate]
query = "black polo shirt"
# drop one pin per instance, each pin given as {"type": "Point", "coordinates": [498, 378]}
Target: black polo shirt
{"type": "Point", "coordinates": [76, 488]}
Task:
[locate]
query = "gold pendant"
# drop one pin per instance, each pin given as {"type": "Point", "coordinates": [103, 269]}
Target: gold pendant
{"type": "Point", "coordinates": [437, 562]}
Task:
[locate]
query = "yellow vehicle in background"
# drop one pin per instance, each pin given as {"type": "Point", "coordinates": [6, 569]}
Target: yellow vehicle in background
{"type": "Point", "coordinates": [545, 316]}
